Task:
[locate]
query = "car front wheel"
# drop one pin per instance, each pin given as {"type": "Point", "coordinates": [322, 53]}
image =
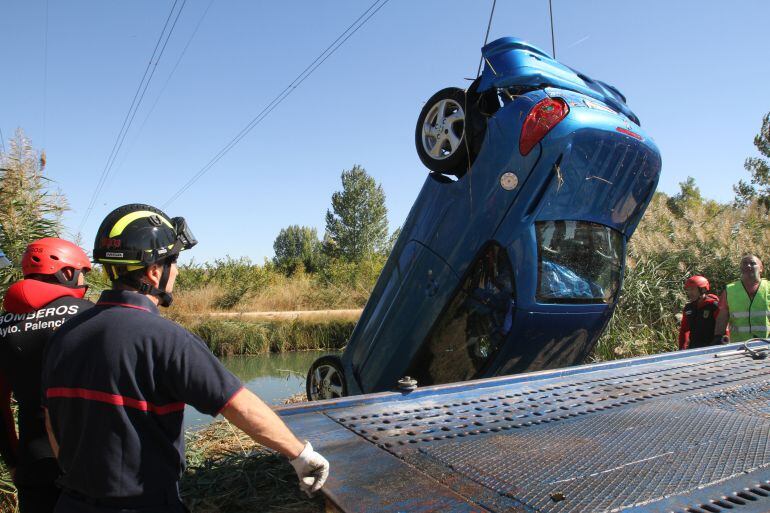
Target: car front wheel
{"type": "Point", "coordinates": [326, 379]}
{"type": "Point", "coordinates": [440, 132]}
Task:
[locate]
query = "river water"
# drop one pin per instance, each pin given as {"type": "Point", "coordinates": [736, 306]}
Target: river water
{"type": "Point", "coordinates": [273, 377]}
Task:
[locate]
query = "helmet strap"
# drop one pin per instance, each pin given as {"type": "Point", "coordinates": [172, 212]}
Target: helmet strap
{"type": "Point", "coordinates": [71, 283]}
{"type": "Point", "coordinates": [164, 298]}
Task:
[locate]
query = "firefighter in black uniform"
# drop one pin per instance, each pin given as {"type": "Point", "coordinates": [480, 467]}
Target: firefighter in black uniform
{"type": "Point", "coordinates": [34, 308]}
{"type": "Point", "coordinates": [117, 377]}
{"type": "Point", "coordinates": [699, 315]}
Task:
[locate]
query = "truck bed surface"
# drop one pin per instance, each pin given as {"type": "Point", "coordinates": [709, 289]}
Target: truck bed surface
{"type": "Point", "coordinates": [685, 432]}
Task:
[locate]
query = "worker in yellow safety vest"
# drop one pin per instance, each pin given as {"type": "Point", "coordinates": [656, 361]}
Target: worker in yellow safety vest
{"type": "Point", "coordinates": [745, 304]}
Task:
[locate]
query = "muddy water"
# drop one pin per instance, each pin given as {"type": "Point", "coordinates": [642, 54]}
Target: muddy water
{"type": "Point", "coordinates": [272, 377]}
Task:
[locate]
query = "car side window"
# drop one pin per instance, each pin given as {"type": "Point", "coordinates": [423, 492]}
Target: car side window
{"type": "Point", "coordinates": [471, 330]}
{"type": "Point", "coordinates": [578, 262]}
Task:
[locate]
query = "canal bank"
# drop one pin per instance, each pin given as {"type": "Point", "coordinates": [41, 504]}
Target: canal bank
{"type": "Point", "coordinates": [244, 336]}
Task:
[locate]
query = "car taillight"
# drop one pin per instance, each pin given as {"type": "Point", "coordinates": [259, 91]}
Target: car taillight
{"type": "Point", "coordinates": [540, 120]}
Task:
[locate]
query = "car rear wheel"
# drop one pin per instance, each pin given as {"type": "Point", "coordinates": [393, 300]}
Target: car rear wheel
{"type": "Point", "coordinates": [440, 132]}
{"type": "Point", "coordinates": [326, 379]}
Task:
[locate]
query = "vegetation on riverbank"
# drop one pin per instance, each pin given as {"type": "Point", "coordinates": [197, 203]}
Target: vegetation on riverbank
{"type": "Point", "coordinates": [679, 236]}
{"type": "Point", "coordinates": [7, 491]}
{"type": "Point", "coordinates": [228, 337]}
{"type": "Point", "coordinates": [227, 471]}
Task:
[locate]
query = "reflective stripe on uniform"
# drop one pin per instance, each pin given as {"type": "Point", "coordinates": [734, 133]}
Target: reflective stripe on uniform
{"type": "Point", "coordinates": [746, 329]}
{"type": "Point", "coordinates": [743, 315]}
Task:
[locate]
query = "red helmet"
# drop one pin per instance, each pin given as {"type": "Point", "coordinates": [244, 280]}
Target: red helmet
{"type": "Point", "coordinates": [50, 256]}
{"type": "Point", "coordinates": [697, 281]}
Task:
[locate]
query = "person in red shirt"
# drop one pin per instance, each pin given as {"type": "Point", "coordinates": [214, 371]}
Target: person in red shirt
{"type": "Point", "coordinates": [699, 315]}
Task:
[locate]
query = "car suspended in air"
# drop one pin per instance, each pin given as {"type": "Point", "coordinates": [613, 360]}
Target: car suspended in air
{"type": "Point", "coordinates": [512, 257]}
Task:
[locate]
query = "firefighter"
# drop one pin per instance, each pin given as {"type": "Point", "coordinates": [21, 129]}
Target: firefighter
{"type": "Point", "coordinates": [117, 378]}
{"type": "Point", "coordinates": [34, 308]}
{"type": "Point", "coordinates": [745, 305]}
{"type": "Point", "coordinates": [699, 316]}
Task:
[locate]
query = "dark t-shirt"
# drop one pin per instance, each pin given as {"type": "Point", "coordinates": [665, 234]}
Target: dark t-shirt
{"type": "Point", "coordinates": [23, 337]}
{"type": "Point", "coordinates": [701, 320]}
{"type": "Point", "coordinates": [116, 380]}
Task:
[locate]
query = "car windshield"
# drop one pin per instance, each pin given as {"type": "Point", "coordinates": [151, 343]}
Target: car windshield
{"type": "Point", "coordinates": [578, 262]}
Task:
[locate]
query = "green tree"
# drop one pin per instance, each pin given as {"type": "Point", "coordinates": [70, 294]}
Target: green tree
{"type": "Point", "coordinates": [759, 187]}
{"type": "Point", "coordinates": [295, 246]}
{"type": "Point", "coordinates": [688, 198]}
{"type": "Point", "coordinates": [29, 208]}
{"type": "Point", "coordinates": [357, 225]}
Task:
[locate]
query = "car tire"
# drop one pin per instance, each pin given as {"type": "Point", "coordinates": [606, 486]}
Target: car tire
{"type": "Point", "coordinates": [326, 379]}
{"type": "Point", "coordinates": [440, 133]}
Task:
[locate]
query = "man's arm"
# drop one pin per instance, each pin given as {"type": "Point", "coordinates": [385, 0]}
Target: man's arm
{"type": "Point", "coordinates": [51, 437]}
{"type": "Point", "coordinates": [256, 419]}
{"type": "Point", "coordinates": [720, 327]}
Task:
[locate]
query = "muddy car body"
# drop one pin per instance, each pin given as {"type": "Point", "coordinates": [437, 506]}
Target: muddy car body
{"type": "Point", "coordinates": [512, 260]}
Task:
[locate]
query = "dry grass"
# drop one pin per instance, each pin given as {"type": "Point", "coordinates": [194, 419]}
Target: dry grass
{"type": "Point", "coordinates": [229, 472]}
{"type": "Point", "coordinates": [227, 337]}
{"type": "Point", "coordinates": [670, 245]}
{"type": "Point", "coordinates": [284, 294]}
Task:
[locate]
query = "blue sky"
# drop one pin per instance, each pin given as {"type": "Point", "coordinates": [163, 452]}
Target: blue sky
{"type": "Point", "coordinates": [695, 72]}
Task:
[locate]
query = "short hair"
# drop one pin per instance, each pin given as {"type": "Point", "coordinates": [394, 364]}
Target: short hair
{"type": "Point", "coordinates": [747, 255]}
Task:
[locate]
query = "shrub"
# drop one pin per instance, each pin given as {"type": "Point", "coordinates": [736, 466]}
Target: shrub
{"type": "Point", "coordinates": [675, 240]}
{"type": "Point", "coordinates": [238, 337]}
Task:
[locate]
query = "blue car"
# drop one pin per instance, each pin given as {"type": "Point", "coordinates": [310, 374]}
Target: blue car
{"type": "Point", "coordinates": [512, 257]}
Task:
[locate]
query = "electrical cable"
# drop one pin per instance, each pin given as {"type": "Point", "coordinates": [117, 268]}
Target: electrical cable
{"type": "Point", "coordinates": [486, 37]}
{"type": "Point", "coordinates": [45, 72]}
{"type": "Point", "coordinates": [298, 80]}
{"type": "Point", "coordinates": [149, 71]}
{"type": "Point", "coordinates": [162, 90]}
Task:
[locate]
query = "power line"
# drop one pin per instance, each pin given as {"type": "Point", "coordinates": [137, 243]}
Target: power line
{"type": "Point", "coordinates": [293, 85]}
{"type": "Point", "coordinates": [163, 89]}
{"type": "Point", "coordinates": [45, 71]}
{"type": "Point", "coordinates": [149, 71]}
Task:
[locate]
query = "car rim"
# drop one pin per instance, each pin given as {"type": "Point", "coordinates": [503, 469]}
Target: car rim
{"type": "Point", "coordinates": [442, 130]}
{"type": "Point", "coordinates": [326, 382]}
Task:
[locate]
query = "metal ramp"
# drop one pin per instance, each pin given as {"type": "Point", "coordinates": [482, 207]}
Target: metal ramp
{"type": "Point", "coordinates": [686, 432]}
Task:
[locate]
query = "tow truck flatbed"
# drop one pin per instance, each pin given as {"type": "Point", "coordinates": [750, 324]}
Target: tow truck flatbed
{"type": "Point", "coordinates": [685, 432]}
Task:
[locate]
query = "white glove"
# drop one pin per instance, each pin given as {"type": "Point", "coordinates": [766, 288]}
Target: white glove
{"type": "Point", "coordinates": [312, 470]}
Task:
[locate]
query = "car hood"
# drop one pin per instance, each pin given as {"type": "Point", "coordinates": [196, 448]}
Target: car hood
{"type": "Point", "coordinates": [511, 62]}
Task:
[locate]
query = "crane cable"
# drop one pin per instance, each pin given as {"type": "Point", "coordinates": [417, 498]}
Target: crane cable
{"type": "Point", "coordinates": [325, 54]}
{"type": "Point", "coordinates": [149, 71]}
{"type": "Point", "coordinates": [486, 37]}
{"type": "Point", "coordinates": [553, 37]}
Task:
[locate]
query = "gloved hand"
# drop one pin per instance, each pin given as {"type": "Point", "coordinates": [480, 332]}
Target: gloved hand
{"type": "Point", "coordinates": [312, 470]}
